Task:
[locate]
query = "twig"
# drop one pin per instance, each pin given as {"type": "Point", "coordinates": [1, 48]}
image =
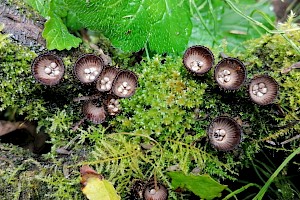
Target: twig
{"type": "Point", "coordinates": [66, 149]}
{"type": "Point", "coordinates": [293, 66]}
{"type": "Point", "coordinates": [77, 124]}
{"type": "Point", "coordinates": [85, 98]}
{"type": "Point", "coordinates": [290, 140]}
{"type": "Point", "coordinates": [223, 55]}
{"type": "Point", "coordinates": [107, 59]}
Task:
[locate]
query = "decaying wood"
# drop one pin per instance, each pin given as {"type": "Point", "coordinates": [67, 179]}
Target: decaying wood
{"type": "Point", "coordinates": [39, 139]}
{"type": "Point", "coordinates": [21, 29]}
{"type": "Point", "coordinates": [7, 127]}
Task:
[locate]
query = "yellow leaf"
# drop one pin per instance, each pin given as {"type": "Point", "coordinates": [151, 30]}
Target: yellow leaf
{"type": "Point", "coordinates": [95, 187]}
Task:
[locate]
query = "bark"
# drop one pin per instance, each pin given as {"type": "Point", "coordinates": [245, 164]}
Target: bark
{"type": "Point", "coordinates": [21, 28]}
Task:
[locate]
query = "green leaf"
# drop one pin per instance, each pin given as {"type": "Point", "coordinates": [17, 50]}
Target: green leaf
{"type": "Point", "coordinates": [58, 36]}
{"type": "Point", "coordinates": [59, 8]}
{"type": "Point", "coordinates": [72, 22]}
{"type": "Point", "coordinates": [163, 25]}
{"type": "Point", "coordinates": [55, 31]}
{"type": "Point", "coordinates": [42, 6]}
{"type": "Point", "coordinates": [130, 24]}
{"type": "Point", "coordinates": [203, 186]}
{"type": "Point", "coordinates": [223, 23]}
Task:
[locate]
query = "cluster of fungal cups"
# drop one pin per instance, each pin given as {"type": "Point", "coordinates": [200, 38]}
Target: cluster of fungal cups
{"type": "Point", "coordinates": [230, 74]}
{"type": "Point", "coordinates": [111, 83]}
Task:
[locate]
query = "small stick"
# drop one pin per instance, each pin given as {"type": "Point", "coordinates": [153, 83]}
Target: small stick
{"type": "Point", "coordinates": [223, 55]}
{"type": "Point", "coordinates": [77, 124]}
{"type": "Point", "coordinates": [107, 59]}
{"type": "Point", "coordinates": [66, 149]}
{"type": "Point", "coordinates": [280, 110]}
{"type": "Point", "coordinates": [293, 66]}
{"type": "Point", "coordinates": [271, 142]}
{"type": "Point", "coordinates": [290, 140]}
{"type": "Point", "coordinates": [85, 98]}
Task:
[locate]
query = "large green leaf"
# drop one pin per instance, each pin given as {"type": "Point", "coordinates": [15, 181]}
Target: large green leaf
{"type": "Point", "coordinates": [130, 24]}
{"type": "Point", "coordinates": [163, 25]}
{"type": "Point", "coordinates": [203, 185]}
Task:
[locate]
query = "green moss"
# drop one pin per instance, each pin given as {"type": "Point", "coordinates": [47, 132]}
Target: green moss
{"type": "Point", "coordinates": [271, 54]}
{"type": "Point", "coordinates": [17, 85]}
{"type": "Point", "coordinates": [27, 176]}
{"type": "Point", "coordinates": [171, 111]}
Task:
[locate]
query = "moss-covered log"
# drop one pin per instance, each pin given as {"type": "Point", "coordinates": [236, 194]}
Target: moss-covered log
{"type": "Point", "coordinates": [162, 127]}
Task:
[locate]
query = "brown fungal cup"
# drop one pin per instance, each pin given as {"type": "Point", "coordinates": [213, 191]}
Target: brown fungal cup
{"type": "Point", "coordinates": [94, 113]}
{"type": "Point", "coordinates": [137, 189]}
{"type": "Point", "coordinates": [230, 73]}
{"type": "Point", "coordinates": [88, 68]}
{"type": "Point", "coordinates": [263, 89]}
{"type": "Point", "coordinates": [48, 69]}
{"type": "Point", "coordinates": [106, 78]}
{"type": "Point", "coordinates": [224, 133]}
{"type": "Point", "coordinates": [125, 84]}
{"type": "Point", "coordinates": [155, 193]}
{"type": "Point", "coordinates": [198, 59]}
{"type": "Point", "coordinates": [112, 105]}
